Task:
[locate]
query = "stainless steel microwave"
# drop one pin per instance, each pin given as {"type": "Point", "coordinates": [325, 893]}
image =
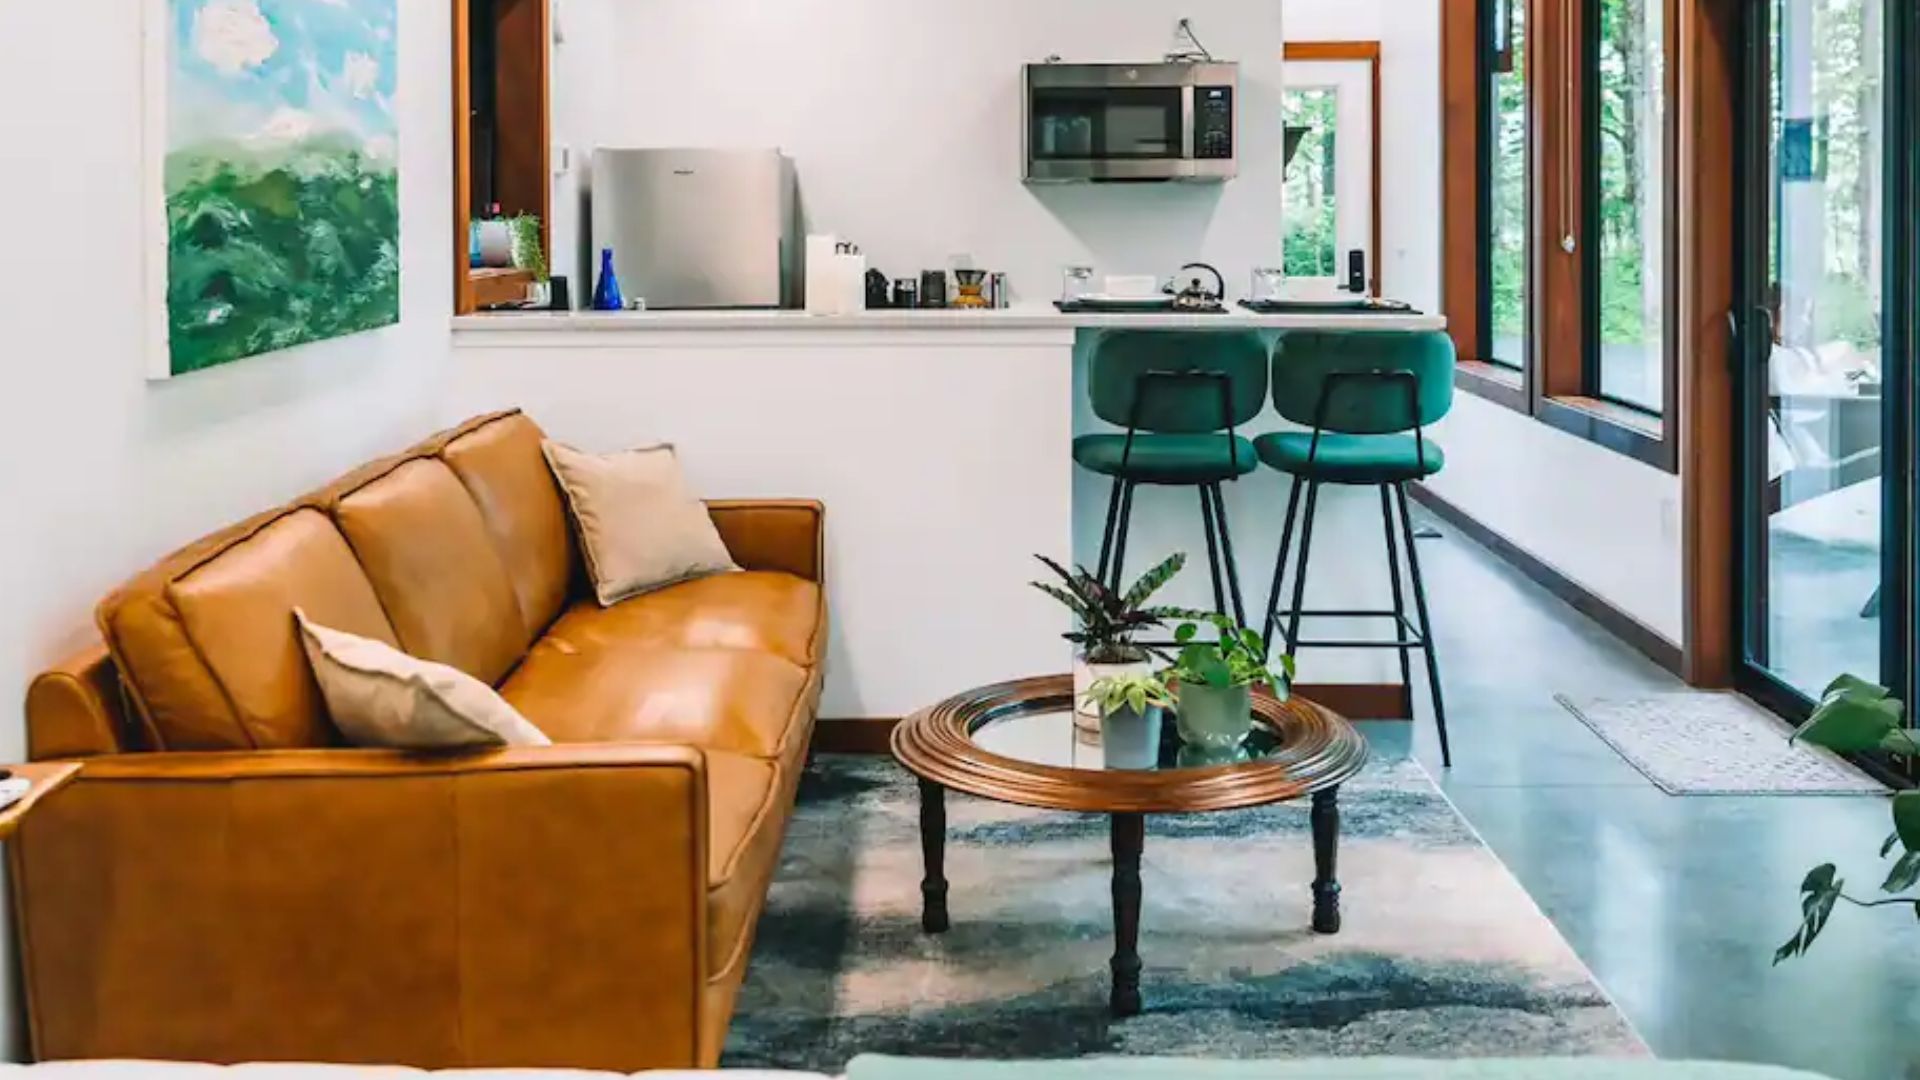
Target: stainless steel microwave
{"type": "Point", "coordinates": [1120, 122]}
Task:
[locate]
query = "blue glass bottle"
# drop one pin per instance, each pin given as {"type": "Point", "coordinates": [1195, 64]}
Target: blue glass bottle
{"type": "Point", "coordinates": [606, 292]}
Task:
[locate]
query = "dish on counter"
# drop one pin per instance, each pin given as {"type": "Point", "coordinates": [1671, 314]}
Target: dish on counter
{"type": "Point", "coordinates": [1362, 305]}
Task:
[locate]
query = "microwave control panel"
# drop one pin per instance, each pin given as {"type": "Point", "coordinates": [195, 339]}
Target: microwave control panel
{"type": "Point", "coordinates": [1213, 122]}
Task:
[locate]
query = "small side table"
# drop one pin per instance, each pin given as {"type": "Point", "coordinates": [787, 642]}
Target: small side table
{"type": "Point", "coordinates": [46, 777]}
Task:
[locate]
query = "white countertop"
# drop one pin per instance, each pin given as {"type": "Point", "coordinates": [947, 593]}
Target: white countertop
{"type": "Point", "coordinates": [1020, 318]}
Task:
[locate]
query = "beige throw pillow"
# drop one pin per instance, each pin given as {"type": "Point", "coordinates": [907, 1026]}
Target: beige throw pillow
{"type": "Point", "coordinates": [380, 696]}
{"type": "Point", "coordinates": [639, 528]}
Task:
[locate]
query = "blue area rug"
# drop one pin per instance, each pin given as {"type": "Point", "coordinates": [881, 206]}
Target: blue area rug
{"type": "Point", "coordinates": [1442, 953]}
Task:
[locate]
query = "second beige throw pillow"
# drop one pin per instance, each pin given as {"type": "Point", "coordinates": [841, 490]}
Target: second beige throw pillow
{"type": "Point", "coordinates": [640, 529]}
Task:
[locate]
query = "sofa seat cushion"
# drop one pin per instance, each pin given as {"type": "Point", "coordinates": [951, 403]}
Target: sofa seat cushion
{"type": "Point", "coordinates": [608, 690]}
{"type": "Point", "coordinates": [767, 612]}
{"type": "Point", "coordinates": [747, 808]}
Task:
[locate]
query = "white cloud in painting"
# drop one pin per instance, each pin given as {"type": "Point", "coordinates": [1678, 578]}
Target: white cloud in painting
{"type": "Point", "coordinates": [360, 74]}
{"type": "Point", "coordinates": [288, 125]}
{"type": "Point", "coordinates": [232, 36]}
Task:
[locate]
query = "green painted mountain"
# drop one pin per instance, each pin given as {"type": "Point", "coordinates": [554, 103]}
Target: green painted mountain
{"type": "Point", "coordinates": [267, 250]}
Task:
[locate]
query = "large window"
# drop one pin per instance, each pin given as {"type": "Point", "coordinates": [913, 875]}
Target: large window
{"type": "Point", "coordinates": [1509, 177]}
{"type": "Point", "coordinates": [1561, 213]}
{"type": "Point", "coordinates": [1626, 155]}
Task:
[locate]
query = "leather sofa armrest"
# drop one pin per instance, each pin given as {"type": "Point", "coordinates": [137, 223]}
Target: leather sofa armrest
{"type": "Point", "coordinates": [75, 709]}
{"type": "Point", "coordinates": [541, 904]}
{"type": "Point", "coordinates": [774, 534]}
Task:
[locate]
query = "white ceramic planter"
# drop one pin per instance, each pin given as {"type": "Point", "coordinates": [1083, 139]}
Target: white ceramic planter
{"type": "Point", "coordinates": [1087, 717]}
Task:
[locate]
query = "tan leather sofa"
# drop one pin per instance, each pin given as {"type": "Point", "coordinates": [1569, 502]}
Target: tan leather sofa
{"type": "Point", "coordinates": [224, 883]}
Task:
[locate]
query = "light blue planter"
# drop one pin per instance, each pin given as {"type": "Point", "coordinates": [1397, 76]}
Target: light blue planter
{"type": "Point", "coordinates": [1131, 740]}
{"type": "Point", "coordinates": [1213, 718]}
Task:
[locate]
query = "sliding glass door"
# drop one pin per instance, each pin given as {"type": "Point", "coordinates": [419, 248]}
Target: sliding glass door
{"type": "Point", "coordinates": [1827, 352]}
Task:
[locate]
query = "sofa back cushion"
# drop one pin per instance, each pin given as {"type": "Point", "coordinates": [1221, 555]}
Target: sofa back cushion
{"type": "Point", "coordinates": [434, 564]}
{"type": "Point", "coordinates": [206, 644]}
{"type": "Point", "coordinates": [501, 464]}
{"type": "Point", "coordinates": [457, 551]}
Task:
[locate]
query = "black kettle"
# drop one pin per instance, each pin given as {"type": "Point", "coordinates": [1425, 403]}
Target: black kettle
{"type": "Point", "coordinates": [1194, 295]}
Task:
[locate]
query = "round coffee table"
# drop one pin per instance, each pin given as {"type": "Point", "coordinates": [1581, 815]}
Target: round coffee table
{"type": "Point", "coordinates": [1016, 743]}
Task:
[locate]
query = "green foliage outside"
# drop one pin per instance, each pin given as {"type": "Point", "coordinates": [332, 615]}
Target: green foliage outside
{"type": "Point", "coordinates": [271, 250]}
{"type": "Point", "coordinates": [1310, 248]}
{"type": "Point", "coordinates": [1507, 242]}
{"type": "Point", "coordinates": [1846, 83]}
{"type": "Point", "coordinates": [1839, 56]}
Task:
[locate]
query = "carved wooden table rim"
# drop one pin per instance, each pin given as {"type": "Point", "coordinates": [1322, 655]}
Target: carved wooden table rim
{"type": "Point", "coordinates": [1319, 751]}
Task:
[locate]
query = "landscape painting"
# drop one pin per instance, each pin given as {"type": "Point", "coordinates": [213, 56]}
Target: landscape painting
{"type": "Point", "coordinates": [280, 175]}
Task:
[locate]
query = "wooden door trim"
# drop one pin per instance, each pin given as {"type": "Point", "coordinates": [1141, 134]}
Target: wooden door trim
{"type": "Point", "coordinates": [463, 293]}
{"type": "Point", "coordinates": [1709, 41]}
{"type": "Point", "coordinates": [1367, 52]}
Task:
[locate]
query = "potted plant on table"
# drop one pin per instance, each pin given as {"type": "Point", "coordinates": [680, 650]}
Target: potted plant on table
{"type": "Point", "coordinates": [1855, 716]}
{"type": "Point", "coordinates": [1130, 708]}
{"type": "Point", "coordinates": [1214, 701]}
{"type": "Point", "coordinates": [1108, 624]}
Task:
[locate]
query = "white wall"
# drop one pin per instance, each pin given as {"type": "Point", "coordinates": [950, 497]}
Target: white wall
{"type": "Point", "coordinates": [101, 472]}
{"type": "Point", "coordinates": [1409, 35]}
{"type": "Point", "coordinates": [904, 121]}
{"type": "Point", "coordinates": [1604, 520]}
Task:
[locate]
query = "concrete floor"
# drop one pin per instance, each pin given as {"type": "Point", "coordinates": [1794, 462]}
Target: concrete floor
{"type": "Point", "coordinates": [1675, 903]}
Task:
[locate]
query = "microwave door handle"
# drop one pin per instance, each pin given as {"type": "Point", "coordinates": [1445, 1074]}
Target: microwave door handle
{"type": "Point", "coordinates": [1186, 123]}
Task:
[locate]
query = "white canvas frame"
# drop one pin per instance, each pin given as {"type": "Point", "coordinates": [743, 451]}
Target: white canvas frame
{"type": "Point", "coordinates": [153, 16]}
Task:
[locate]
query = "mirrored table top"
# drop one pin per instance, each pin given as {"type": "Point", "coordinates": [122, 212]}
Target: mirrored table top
{"type": "Point", "coordinates": [1050, 737]}
{"type": "Point", "coordinates": [1016, 742]}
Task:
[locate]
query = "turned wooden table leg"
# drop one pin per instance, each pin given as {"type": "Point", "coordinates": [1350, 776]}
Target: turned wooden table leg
{"type": "Point", "coordinates": [1326, 844]}
{"type": "Point", "coordinates": [933, 850]}
{"type": "Point", "coordinates": [1129, 838]}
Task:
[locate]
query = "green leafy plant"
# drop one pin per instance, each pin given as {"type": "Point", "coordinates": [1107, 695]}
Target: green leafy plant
{"type": "Point", "coordinates": [1855, 715]}
{"type": "Point", "coordinates": [1134, 690]}
{"type": "Point", "coordinates": [1235, 657]}
{"type": "Point", "coordinates": [1109, 621]}
{"type": "Point", "coordinates": [528, 252]}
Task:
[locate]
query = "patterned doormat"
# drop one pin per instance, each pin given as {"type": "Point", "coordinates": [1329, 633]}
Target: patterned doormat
{"type": "Point", "coordinates": [1442, 953]}
{"type": "Point", "coordinates": [1705, 743]}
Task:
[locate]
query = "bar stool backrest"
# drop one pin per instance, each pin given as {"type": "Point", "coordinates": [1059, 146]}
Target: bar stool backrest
{"type": "Point", "coordinates": [1363, 382]}
{"type": "Point", "coordinates": [1178, 382]}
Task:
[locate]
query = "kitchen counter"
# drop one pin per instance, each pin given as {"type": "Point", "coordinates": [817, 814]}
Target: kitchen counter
{"type": "Point", "coordinates": [1019, 318]}
{"type": "Point", "coordinates": [941, 442]}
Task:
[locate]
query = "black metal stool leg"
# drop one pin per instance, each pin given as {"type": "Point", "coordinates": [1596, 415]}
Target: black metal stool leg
{"type": "Point", "coordinates": [1106, 536]}
{"type": "Point", "coordinates": [1226, 555]}
{"type": "Point", "coordinates": [1120, 537]}
{"type": "Point", "coordinates": [1300, 573]}
{"type": "Point", "coordinates": [1280, 564]}
{"type": "Point", "coordinates": [1213, 549]}
{"type": "Point", "coordinates": [1426, 627]}
{"type": "Point", "coordinates": [1399, 598]}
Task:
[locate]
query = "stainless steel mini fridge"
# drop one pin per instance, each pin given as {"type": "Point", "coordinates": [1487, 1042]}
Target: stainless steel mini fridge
{"type": "Point", "coordinates": [699, 228]}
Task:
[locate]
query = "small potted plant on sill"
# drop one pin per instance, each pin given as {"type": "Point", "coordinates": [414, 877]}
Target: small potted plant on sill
{"type": "Point", "coordinates": [530, 254]}
{"type": "Point", "coordinates": [1855, 716]}
{"type": "Point", "coordinates": [1131, 707]}
{"type": "Point", "coordinates": [1107, 624]}
{"type": "Point", "coordinates": [1215, 679]}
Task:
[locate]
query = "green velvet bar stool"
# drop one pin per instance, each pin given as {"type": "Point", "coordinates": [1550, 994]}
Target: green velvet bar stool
{"type": "Point", "coordinates": [1181, 396]}
{"type": "Point", "coordinates": [1366, 397]}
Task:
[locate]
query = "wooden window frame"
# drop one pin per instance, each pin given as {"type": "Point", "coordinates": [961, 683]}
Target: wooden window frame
{"type": "Point", "coordinates": [1557, 384]}
{"type": "Point", "coordinates": [524, 182]}
{"type": "Point", "coordinates": [1464, 177]}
